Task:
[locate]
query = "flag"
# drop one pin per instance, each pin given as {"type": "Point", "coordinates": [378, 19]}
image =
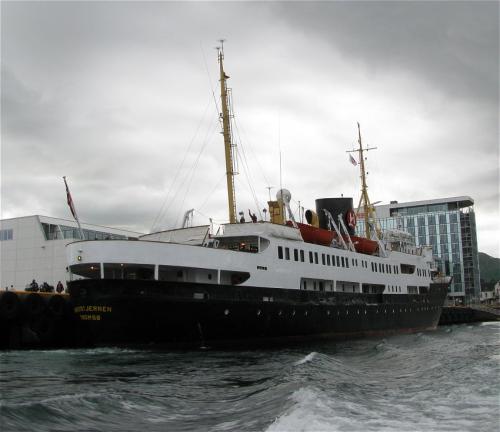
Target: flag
{"type": "Point", "coordinates": [353, 161]}
{"type": "Point", "coordinates": [70, 201]}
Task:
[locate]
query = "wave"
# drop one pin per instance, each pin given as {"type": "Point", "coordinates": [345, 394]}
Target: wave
{"type": "Point", "coordinates": [309, 357]}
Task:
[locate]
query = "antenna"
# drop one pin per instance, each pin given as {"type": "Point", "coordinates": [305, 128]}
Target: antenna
{"type": "Point", "coordinates": [269, 190]}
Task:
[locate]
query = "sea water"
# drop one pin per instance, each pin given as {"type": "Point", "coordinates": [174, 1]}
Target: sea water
{"type": "Point", "coordinates": [446, 380]}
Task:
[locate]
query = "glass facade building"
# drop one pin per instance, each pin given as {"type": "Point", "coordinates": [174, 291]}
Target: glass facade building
{"type": "Point", "coordinates": [449, 226]}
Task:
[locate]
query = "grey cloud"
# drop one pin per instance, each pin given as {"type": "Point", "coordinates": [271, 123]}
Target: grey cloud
{"type": "Point", "coordinates": [454, 45]}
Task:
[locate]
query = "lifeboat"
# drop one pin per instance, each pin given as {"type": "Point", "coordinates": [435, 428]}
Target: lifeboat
{"type": "Point", "coordinates": [321, 236]}
{"type": "Point", "coordinates": [363, 245]}
{"type": "Point", "coordinates": [312, 234]}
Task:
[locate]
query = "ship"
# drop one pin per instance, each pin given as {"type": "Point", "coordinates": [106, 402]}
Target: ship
{"type": "Point", "coordinates": [258, 282]}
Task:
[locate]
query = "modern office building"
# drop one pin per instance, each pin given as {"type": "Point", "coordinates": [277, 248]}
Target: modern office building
{"type": "Point", "coordinates": [449, 226]}
{"type": "Point", "coordinates": [33, 247]}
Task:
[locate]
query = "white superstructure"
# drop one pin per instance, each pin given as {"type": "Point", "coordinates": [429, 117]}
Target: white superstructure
{"type": "Point", "coordinates": [253, 254]}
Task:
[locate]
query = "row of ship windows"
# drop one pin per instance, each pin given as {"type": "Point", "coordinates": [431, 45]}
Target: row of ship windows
{"type": "Point", "coordinates": [340, 261]}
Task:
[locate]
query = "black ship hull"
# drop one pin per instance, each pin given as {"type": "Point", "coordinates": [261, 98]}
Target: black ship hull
{"type": "Point", "coordinates": [131, 312]}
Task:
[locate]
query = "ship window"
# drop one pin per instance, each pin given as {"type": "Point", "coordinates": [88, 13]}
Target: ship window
{"type": "Point", "coordinates": [295, 254]}
{"type": "Point", "coordinates": [333, 260]}
{"type": "Point", "coordinates": [347, 262]}
{"type": "Point", "coordinates": [407, 268]}
{"type": "Point", "coordinates": [310, 257]}
{"type": "Point", "coordinates": [129, 271]}
{"type": "Point", "coordinates": [316, 257]}
{"type": "Point", "coordinates": [323, 259]}
{"type": "Point", "coordinates": [321, 286]}
{"type": "Point", "coordinates": [280, 252]}
{"type": "Point", "coordinates": [87, 271]}
{"type": "Point", "coordinates": [301, 255]}
{"type": "Point", "coordinates": [328, 259]}
{"type": "Point", "coordinates": [304, 285]}
{"type": "Point", "coordinates": [287, 253]}
{"type": "Point", "coordinates": [338, 261]}
{"type": "Point", "coordinates": [343, 261]}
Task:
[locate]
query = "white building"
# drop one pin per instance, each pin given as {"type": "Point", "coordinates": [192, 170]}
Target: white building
{"type": "Point", "coordinates": [33, 247]}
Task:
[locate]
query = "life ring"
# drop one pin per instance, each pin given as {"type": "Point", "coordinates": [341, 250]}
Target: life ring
{"type": "Point", "coordinates": [351, 219]}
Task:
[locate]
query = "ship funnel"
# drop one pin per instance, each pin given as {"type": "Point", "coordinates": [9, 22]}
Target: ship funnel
{"type": "Point", "coordinates": [336, 207]}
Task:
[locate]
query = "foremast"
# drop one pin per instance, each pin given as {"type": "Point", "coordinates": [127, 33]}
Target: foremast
{"type": "Point", "coordinates": [226, 131]}
{"type": "Point", "coordinates": [364, 200]}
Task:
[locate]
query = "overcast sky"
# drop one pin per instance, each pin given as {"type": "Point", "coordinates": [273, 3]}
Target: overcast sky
{"type": "Point", "coordinates": [118, 97]}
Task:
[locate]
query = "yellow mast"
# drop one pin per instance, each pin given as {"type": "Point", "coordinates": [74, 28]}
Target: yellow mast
{"type": "Point", "coordinates": [226, 131]}
{"type": "Point", "coordinates": [364, 200]}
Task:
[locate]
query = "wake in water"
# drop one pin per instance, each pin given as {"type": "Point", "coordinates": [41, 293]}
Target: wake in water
{"type": "Point", "coordinates": [440, 381]}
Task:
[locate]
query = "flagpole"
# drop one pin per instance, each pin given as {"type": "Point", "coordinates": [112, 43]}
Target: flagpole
{"type": "Point", "coordinates": [71, 205]}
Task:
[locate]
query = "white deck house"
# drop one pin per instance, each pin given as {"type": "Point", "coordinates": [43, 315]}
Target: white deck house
{"type": "Point", "coordinates": [33, 247]}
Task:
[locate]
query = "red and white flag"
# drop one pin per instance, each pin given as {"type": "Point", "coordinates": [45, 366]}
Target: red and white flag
{"type": "Point", "coordinates": [353, 161]}
{"type": "Point", "coordinates": [70, 201]}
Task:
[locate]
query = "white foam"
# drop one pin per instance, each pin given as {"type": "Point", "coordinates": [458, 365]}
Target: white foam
{"type": "Point", "coordinates": [309, 357]}
{"type": "Point", "coordinates": [306, 414]}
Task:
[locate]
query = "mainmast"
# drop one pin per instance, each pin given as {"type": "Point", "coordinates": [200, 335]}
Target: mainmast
{"type": "Point", "coordinates": [226, 131]}
{"type": "Point", "coordinates": [364, 200]}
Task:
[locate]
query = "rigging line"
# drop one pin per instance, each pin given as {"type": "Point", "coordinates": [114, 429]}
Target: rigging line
{"type": "Point", "coordinates": [159, 215]}
{"type": "Point", "coordinates": [246, 170]}
{"type": "Point", "coordinates": [193, 171]}
{"type": "Point", "coordinates": [237, 127]}
{"type": "Point", "coordinates": [211, 86]}
{"type": "Point", "coordinates": [188, 173]}
{"type": "Point", "coordinates": [213, 190]}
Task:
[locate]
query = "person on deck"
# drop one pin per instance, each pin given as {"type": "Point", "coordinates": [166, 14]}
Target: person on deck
{"type": "Point", "coordinates": [59, 287]}
{"type": "Point", "coordinates": [252, 216]}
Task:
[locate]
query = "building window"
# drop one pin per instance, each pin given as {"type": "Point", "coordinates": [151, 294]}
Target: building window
{"type": "Point", "coordinates": [296, 254]}
{"type": "Point", "coordinates": [323, 260]}
{"type": "Point", "coordinates": [280, 252]}
{"type": "Point", "coordinates": [310, 257]}
{"type": "Point", "coordinates": [6, 234]}
{"type": "Point", "coordinates": [301, 255]}
{"type": "Point", "coordinates": [316, 257]}
{"type": "Point", "coordinates": [287, 253]}
{"type": "Point", "coordinates": [328, 260]}
{"type": "Point", "coordinates": [333, 260]}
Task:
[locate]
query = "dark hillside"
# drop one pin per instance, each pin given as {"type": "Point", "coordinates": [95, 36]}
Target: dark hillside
{"type": "Point", "coordinates": [489, 267]}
